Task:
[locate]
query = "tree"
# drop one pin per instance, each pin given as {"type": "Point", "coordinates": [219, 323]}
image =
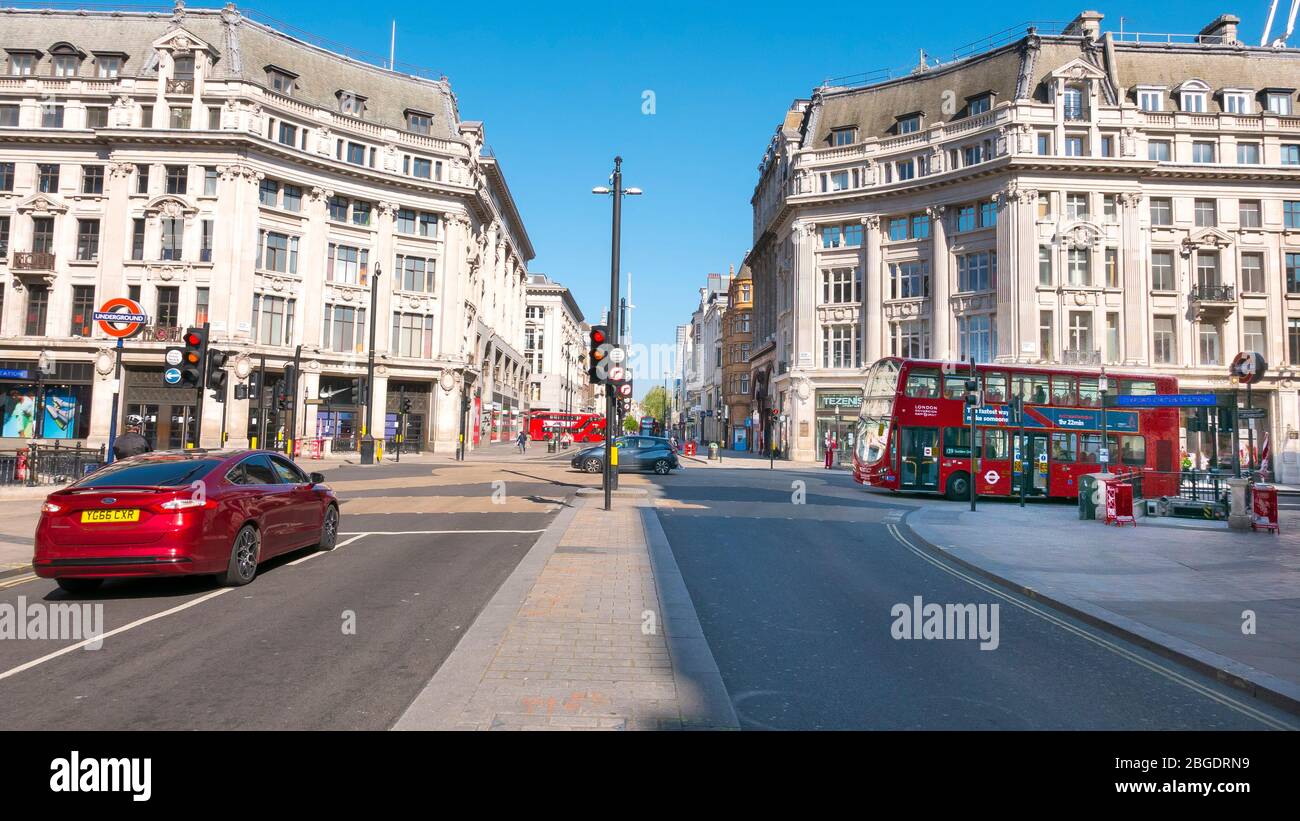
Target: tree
{"type": "Point", "coordinates": [655, 403]}
{"type": "Point", "coordinates": [630, 425]}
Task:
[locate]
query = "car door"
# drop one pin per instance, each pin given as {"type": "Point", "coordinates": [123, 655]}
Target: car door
{"type": "Point", "coordinates": [260, 496]}
{"type": "Point", "coordinates": [304, 504]}
{"type": "Point", "coordinates": [628, 458]}
{"type": "Point", "coordinates": [650, 451]}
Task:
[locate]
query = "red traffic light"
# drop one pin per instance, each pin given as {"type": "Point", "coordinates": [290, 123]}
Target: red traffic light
{"type": "Point", "coordinates": [192, 339]}
{"type": "Point", "coordinates": [598, 337]}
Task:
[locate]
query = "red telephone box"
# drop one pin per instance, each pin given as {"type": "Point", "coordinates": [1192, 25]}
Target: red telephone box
{"type": "Point", "coordinates": [1263, 508]}
{"type": "Point", "coordinates": [1119, 504]}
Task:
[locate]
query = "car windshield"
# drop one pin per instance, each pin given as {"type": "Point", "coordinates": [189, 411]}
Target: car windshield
{"type": "Point", "coordinates": [150, 473]}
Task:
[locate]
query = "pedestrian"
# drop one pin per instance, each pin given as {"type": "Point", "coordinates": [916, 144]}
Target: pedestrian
{"type": "Point", "coordinates": [131, 443]}
{"type": "Point", "coordinates": [522, 441]}
{"type": "Point", "coordinates": [834, 451]}
{"type": "Point", "coordinates": [826, 448]}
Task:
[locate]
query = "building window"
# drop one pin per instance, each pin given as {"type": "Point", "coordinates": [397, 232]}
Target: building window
{"type": "Point", "coordinates": [1293, 340]}
{"type": "Point", "coordinates": [92, 179]}
{"type": "Point", "coordinates": [356, 153]}
{"type": "Point", "coordinates": [911, 339]}
{"type": "Point", "coordinates": [1202, 151]}
{"type": "Point", "coordinates": [898, 228]}
{"type": "Point", "coordinates": [107, 66]}
{"type": "Point", "coordinates": [179, 117]}
{"type": "Point", "coordinates": [1045, 143]}
{"type": "Point", "coordinates": [1207, 335]}
{"type": "Point", "coordinates": [277, 252]}
{"type": "Point", "coordinates": [1207, 269]}
{"type": "Point", "coordinates": [201, 298]}
{"type": "Point", "coordinates": [51, 115]}
{"type": "Point", "coordinates": [273, 320]}
{"type": "Point", "coordinates": [1109, 208]}
{"type": "Point", "coordinates": [38, 309]}
{"type": "Point", "coordinates": [287, 134]}
{"type": "Point", "coordinates": [414, 274]}
{"type": "Point", "coordinates": [1076, 206]}
{"type": "Point", "coordinates": [1046, 335]}
{"type": "Point", "coordinates": [361, 212]}
{"type": "Point", "coordinates": [920, 226]}
{"type": "Point", "coordinates": [22, 65]}
{"type": "Point", "coordinates": [214, 120]}
{"type": "Point", "coordinates": [978, 337]}
{"type": "Point", "coordinates": [268, 193]}
{"type": "Point", "coordinates": [1112, 267]}
{"type": "Point", "coordinates": [88, 240]}
{"type": "Point", "coordinates": [83, 307]}
{"type": "Point", "coordinates": [979, 105]}
{"type": "Point", "coordinates": [347, 265]}
{"type": "Point", "coordinates": [909, 124]}
{"type": "Point", "coordinates": [1293, 273]}
{"type": "Point", "coordinates": [1164, 342]}
{"type": "Point", "coordinates": [841, 346]}
{"type": "Point", "coordinates": [178, 179]}
{"type": "Point", "coordinates": [1237, 102]}
{"type": "Point", "coordinates": [1045, 265]}
{"type": "Point", "coordinates": [4, 242]}
{"type": "Point", "coordinates": [205, 241]}
{"type": "Point", "coordinates": [47, 178]}
{"type": "Point", "coordinates": [1249, 213]}
{"type": "Point", "coordinates": [280, 81]}
{"type": "Point", "coordinates": [844, 136]}
{"type": "Point", "coordinates": [1291, 214]}
{"type": "Point", "coordinates": [173, 233]}
{"type": "Point", "coordinates": [1252, 273]}
{"type": "Point", "coordinates": [7, 176]}
{"type": "Point", "coordinates": [292, 200]}
{"type": "Point", "coordinates": [1193, 102]}
{"type": "Point", "coordinates": [1151, 99]}
{"type": "Point", "coordinates": [43, 235]}
{"type": "Point", "coordinates": [183, 68]}
{"type": "Point", "coordinates": [1080, 333]}
{"type": "Point", "coordinates": [966, 218]}
{"type": "Point", "coordinates": [137, 239]}
{"type": "Point", "coordinates": [1079, 266]}
{"type": "Point", "coordinates": [1162, 211]}
{"type": "Point", "coordinates": [1075, 145]}
{"type": "Point", "coordinates": [1206, 213]}
{"type": "Point", "coordinates": [1248, 154]}
{"type": "Point", "coordinates": [841, 286]}
{"type": "Point", "coordinates": [96, 116]}
{"type": "Point", "coordinates": [8, 116]}
{"type": "Point", "coordinates": [909, 280]}
{"type": "Point", "coordinates": [1291, 154]}
{"type": "Point", "coordinates": [1072, 103]}
{"type": "Point", "coordinates": [1112, 337]}
{"type": "Point", "coordinates": [977, 271]}
{"type": "Point", "coordinates": [1158, 150]}
{"type": "Point", "coordinates": [1278, 102]}
{"type": "Point", "coordinates": [344, 329]}
{"type": "Point", "coordinates": [168, 313]}
{"type": "Point", "coordinates": [338, 208]}
{"type": "Point", "coordinates": [988, 214]}
{"type": "Point", "coordinates": [1253, 333]}
{"type": "Point", "coordinates": [141, 178]}
{"type": "Point", "coordinates": [412, 335]}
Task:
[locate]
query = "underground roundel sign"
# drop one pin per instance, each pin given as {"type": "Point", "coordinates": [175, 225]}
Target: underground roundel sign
{"type": "Point", "coordinates": [992, 477]}
{"type": "Point", "coordinates": [1249, 367]}
{"type": "Point", "coordinates": [120, 317]}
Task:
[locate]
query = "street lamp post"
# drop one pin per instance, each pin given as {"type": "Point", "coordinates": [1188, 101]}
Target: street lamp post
{"type": "Point", "coordinates": [616, 191]}
{"type": "Point", "coordinates": [367, 435]}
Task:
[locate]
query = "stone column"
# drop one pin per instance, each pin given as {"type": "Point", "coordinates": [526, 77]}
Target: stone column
{"type": "Point", "coordinates": [940, 286]}
{"type": "Point", "coordinates": [874, 327]}
{"type": "Point", "coordinates": [1134, 282]}
{"type": "Point", "coordinates": [1008, 319]}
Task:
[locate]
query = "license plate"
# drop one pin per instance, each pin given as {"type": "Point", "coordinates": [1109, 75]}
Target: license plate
{"type": "Point", "coordinates": [99, 516]}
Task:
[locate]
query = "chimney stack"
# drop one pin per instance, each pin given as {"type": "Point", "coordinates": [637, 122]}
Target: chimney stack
{"type": "Point", "coordinates": [1222, 30]}
{"type": "Point", "coordinates": [1088, 24]}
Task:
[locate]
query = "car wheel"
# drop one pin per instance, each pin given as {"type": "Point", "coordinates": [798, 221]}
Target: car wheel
{"type": "Point", "coordinates": [243, 557]}
{"type": "Point", "coordinates": [662, 467]}
{"type": "Point", "coordinates": [958, 487]}
{"type": "Point", "coordinates": [593, 465]}
{"type": "Point", "coordinates": [79, 585]}
{"type": "Point", "coordinates": [329, 529]}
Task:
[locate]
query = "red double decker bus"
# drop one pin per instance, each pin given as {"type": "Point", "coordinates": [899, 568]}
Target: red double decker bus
{"type": "Point", "coordinates": [914, 432]}
{"type": "Point", "coordinates": [583, 427]}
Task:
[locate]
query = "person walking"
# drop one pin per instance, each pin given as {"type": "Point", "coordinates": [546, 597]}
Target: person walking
{"type": "Point", "coordinates": [522, 442]}
{"type": "Point", "coordinates": [826, 448]}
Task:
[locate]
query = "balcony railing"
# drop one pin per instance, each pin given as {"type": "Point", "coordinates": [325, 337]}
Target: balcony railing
{"type": "Point", "coordinates": [33, 261]}
{"type": "Point", "coordinates": [161, 333]}
{"type": "Point", "coordinates": [180, 86]}
{"type": "Point", "coordinates": [1081, 357]}
{"type": "Point", "coordinates": [1214, 293]}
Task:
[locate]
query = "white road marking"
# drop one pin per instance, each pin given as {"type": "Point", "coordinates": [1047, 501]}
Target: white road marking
{"type": "Point", "coordinates": [65, 650]}
{"type": "Point", "coordinates": [316, 553]}
{"type": "Point", "coordinates": [434, 532]}
{"type": "Point", "coordinates": [1119, 650]}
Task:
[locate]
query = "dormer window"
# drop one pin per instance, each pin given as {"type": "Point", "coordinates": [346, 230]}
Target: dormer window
{"type": "Point", "coordinates": [351, 103]}
{"type": "Point", "coordinates": [1072, 103]}
{"type": "Point", "coordinates": [979, 104]}
{"type": "Point", "coordinates": [281, 80]}
{"type": "Point", "coordinates": [65, 61]}
{"type": "Point", "coordinates": [183, 67]}
{"type": "Point", "coordinates": [1237, 101]}
{"type": "Point", "coordinates": [22, 63]}
{"type": "Point", "coordinates": [108, 66]}
{"type": "Point", "coordinates": [1151, 98]}
{"type": "Point", "coordinates": [846, 135]}
{"type": "Point", "coordinates": [909, 123]}
{"type": "Point", "coordinates": [1278, 101]}
{"type": "Point", "coordinates": [419, 122]}
{"type": "Point", "coordinates": [1192, 97]}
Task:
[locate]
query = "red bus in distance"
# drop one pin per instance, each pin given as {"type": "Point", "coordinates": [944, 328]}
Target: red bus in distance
{"type": "Point", "coordinates": [913, 432]}
{"type": "Point", "coordinates": [583, 427]}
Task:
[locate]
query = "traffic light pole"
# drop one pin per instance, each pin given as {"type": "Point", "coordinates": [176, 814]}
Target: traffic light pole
{"type": "Point", "coordinates": [970, 406]}
{"type": "Point", "coordinates": [610, 399]}
{"type": "Point", "coordinates": [203, 388]}
{"type": "Point", "coordinates": [367, 444]}
{"type": "Point", "coordinates": [261, 403]}
{"type": "Point", "coordinates": [401, 420]}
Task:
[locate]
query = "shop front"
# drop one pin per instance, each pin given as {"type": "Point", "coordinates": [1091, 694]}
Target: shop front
{"type": "Point", "coordinates": [338, 417]}
{"type": "Point", "coordinates": [164, 415]}
{"type": "Point", "coordinates": [836, 413]}
{"type": "Point", "coordinates": [411, 429]}
{"type": "Point", "coordinates": [50, 403]}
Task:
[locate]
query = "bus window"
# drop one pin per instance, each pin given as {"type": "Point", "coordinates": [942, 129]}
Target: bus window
{"type": "Point", "coordinates": [1090, 453]}
{"type": "Point", "coordinates": [1064, 446]}
{"type": "Point", "coordinates": [923, 384]}
{"type": "Point", "coordinates": [1137, 387]}
{"type": "Point", "coordinates": [1089, 395]}
{"type": "Point", "coordinates": [994, 441]}
{"type": "Point", "coordinates": [1020, 386]}
{"type": "Point", "coordinates": [954, 386]}
{"type": "Point", "coordinates": [956, 442]}
{"type": "Point", "coordinates": [1133, 450]}
{"type": "Point", "coordinates": [1037, 389]}
{"type": "Point", "coordinates": [882, 379]}
{"type": "Point", "coordinates": [1063, 388]}
{"type": "Point", "coordinates": [872, 435]}
{"type": "Point", "coordinates": [995, 387]}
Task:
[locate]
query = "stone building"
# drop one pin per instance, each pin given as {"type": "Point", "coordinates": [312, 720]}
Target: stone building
{"type": "Point", "coordinates": [737, 342]}
{"type": "Point", "coordinates": [1064, 198]}
{"type": "Point", "coordinates": [555, 343]}
{"type": "Point", "coordinates": [219, 171]}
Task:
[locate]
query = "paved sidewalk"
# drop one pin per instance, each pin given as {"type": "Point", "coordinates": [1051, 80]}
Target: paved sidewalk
{"type": "Point", "coordinates": [590, 632]}
{"type": "Point", "coordinates": [1179, 589]}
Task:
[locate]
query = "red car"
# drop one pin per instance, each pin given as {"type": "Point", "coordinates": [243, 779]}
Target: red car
{"type": "Point", "coordinates": [182, 512]}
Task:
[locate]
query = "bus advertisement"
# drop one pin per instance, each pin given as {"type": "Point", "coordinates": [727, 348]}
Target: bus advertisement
{"type": "Point", "coordinates": [914, 430]}
{"type": "Point", "coordinates": [583, 427]}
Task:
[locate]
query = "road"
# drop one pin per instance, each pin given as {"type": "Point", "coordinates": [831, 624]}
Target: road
{"type": "Point", "coordinates": [274, 654]}
{"type": "Point", "coordinates": [795, 601]}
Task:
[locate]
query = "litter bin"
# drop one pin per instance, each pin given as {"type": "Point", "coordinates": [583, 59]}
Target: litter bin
{"type": "Point", "coordinates": [1088, 496]}
{"type": "Point", "coordinates": [713, 450]}
{"type": "Point", "coordinates": [550, 446]}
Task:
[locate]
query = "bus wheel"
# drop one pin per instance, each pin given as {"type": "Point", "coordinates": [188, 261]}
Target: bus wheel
{"type": "Point", "coordinates": [958, 487]}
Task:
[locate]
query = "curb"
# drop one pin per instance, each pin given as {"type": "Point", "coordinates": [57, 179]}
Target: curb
{"type": "Point", "coordinates": [1256, 683]}
{"type": "Point", "coordinates": [595, 492]}
{"type": "Point", "coordinates": [442, 701]}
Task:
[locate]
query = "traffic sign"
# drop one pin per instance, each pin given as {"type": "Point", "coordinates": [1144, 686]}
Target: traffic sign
{"type": "Point", "coordinates": [120, 317]}
{"type": "Point", "coordinates": [616, 373]}
{"type": "Point", "coordinates": [172, 376]}
{"type": "Point", "coordinates": [174, 356]}
{"type": "Point", "coordinates": [1251, 413]}
{"type": "Point", "coordinates": [617, 355]}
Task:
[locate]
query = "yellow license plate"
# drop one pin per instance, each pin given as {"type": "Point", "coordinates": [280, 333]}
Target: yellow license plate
{"type": "Point", "coordinates": [98, 516]}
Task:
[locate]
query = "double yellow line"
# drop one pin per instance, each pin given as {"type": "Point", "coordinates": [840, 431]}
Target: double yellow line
{"type": "Point", "coordinates": [14, 581]}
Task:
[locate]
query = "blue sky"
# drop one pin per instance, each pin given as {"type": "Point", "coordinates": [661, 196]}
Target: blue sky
{"type": "Point", "coordinates": [559, 87]}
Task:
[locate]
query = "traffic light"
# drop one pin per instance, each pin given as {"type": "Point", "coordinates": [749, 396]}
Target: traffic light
{"type": "Point", "coordinates": [1198, 420]}
{"type": "Point", "coordinates": [973, 397]}
{"type": "Point", "coordinates": [241, 392]}
{"type": "Point", "coordinates": [255, 385]}
{"type": "Point", "coordinates": [192, 357]}
{"type": "Point", "coordinates": [359, 390]}
{"type": "Point", "coordinates": [217, 374]}
{"type": "Point", "coordinates": [285, 393]}
{"type": "Point", "coordinates": [406, 405]}
{"type": "Point", "coordinates": [598, 351]}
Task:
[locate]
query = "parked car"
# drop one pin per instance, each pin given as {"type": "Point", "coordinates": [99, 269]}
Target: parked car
{"type": "Point", "coordinates": [634, 453]}
{"type": "Point", "coordinates": [182, 512]}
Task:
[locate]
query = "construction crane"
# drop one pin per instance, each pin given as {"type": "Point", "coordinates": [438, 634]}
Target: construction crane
{"type": "Point", "coordinates": [1290, 24]}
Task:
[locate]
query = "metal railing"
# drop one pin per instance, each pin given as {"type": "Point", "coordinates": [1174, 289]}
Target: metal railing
{"type": "Point", "coordinates": [1213, 293]}
{"type": "Point", "coordinates": [33, 261]}
{"type": "Point", "coordinates": [1077, 357]}
{"type": "Point", "coordinates": [48, 465]}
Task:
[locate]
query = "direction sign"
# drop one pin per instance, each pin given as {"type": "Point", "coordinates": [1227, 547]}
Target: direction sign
{"type": "Point", "coordinates": [120, 317]}
{"type": "Point", "coordinates": [174, 356]}
{"type": "Point", "coordinates": [172, 376]}
{"type": "Point", "coordinates": [1166, 400]}
{"type": "Point", "coordinates": [13, 373]}
{"type": "Point", "coordinates": [1251, 413]}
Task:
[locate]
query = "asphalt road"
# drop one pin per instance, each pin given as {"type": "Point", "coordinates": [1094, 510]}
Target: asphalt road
{"type": "Point", "coordinates": [274, 654]}
{"type": "Point", "coordinates": [796, 602]}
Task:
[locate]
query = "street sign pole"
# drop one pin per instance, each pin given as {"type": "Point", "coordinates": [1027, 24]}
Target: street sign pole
{"type": "Point", "coordinates": [117, 393]}
{"type": "Point", "coordinates": [1024, 452]}
{"type": "Point", "coordinates": [261, 403]}
{"type": "Point", "coordinates": [971, 410]}
{"type": "Point", "coordinates": [203, 387]}
{"type": "Point", "coordinates": [1250, 435]}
